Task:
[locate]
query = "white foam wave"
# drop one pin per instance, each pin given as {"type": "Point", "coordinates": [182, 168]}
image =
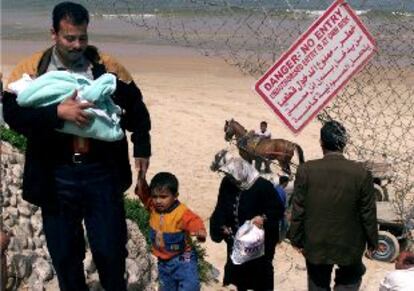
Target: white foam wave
{"type": "Point", "coordinates": [134, 16]}
{"type": "Point", "coordinates": [405, 14]}
{"type": "Point", "coordinates": [320, 12]}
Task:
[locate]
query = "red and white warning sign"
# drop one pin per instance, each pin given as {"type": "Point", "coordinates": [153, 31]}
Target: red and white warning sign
{"type": "Point", "coordinates": [319, 64]}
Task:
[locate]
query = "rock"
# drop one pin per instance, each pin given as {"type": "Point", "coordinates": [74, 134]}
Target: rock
{"type": "Point", "coordinates": [133, 231]}
{"type": "Point", "coordinates": [20, 159]}
{"type": "Point", "coordinates": [300, 267]}
{"type": "Point", "coordinates": [143, 263]}
{"type": "Point", "coordinates": [18, 182]}
{"type": "Point", "coordinates": [21, 241]}
{"type": "Point", "coordinates": [13, 201]}
{"type": "Point", "coordinates": [95, 286]}
{"type": "Point", "coordinates": [22, 266]}
{"type": "Point", "coordinates": [52, 285]}
{"type": "Point", "coordinates": [37, 242]}
{"type": "Point", "coordinates": [134, 286]}
{"type": "Point", "coordinates": [37, 224]}
{"type": "Point", "coordinates": [43, 238]}
{"type": "Point", "coordinates": [17, 170]}
{"type": "Point", "coordinates": [13, 211]}
{"type": "Point", "coordinates": [89, 264]}
{"type": "Point", "coordinates": [41, 253]}
{"type": "Point", "coordinates": [30, 244]}
{"type": "Point", "coordinates": [133, 250]}
{"type": "Point", "coordinates": [15, 245]}
{"type": "Point", "coordinates": [5, 214]}
{"type": "Point", "coordinates": [10, 222]}
{"type": "Point", "coordinates": [12, 283]}
{"type": "Point", "coordinates": [34, 283]}
{"type": "Point", "coordinates": [5, 191]}
{"type": "Point", "coordinates": [25, 227]}
{"type": "Point", "coordinates": [132, 268]}
{"type": "Point", "coordinates": [45, 250]}
{"type": "Point", "coordinates": [25, 209]}
{"type": "Point", "coordinates": [13, 189]}
{"type": "Point", "coordinates": [37, 286]}
{"type": "Point", "coordinates": [93, 283]}
{"type": "Point", "coordinates": [4, 201]}
{"type": "Point", "coordinates": [43, 269]}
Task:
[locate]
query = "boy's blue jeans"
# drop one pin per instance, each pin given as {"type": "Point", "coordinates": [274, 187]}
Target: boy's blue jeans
{"type": "Point", "coordinates": [179, 273]}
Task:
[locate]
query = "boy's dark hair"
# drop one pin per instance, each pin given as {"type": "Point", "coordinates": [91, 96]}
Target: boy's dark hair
{"type": "Point", "coordinates": [283, 179]}
{"type": "Point", "coordinates": [76, 13]}
{"type": "Point", "coordinates": [263, 123]}
{"type": "Point", "coordinates": [333, 136]}
{"type": "Point", "coordinates": [164, 180]}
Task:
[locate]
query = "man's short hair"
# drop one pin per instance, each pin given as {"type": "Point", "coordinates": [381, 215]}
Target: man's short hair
{"type": "Point", "coordinates": [263, 123]}
{"type": "Point", "coordinates": [164, 180]}
{"type": "Point", "coordinates": [333, 136]}
{"type": "Point", "coordinates": [76, 13]}
{"type": "Point", "coordinates": [283, 179]}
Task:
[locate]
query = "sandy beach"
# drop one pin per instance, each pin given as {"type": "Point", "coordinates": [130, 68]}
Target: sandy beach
{"type": "Point", "coordinates": [189, 97]}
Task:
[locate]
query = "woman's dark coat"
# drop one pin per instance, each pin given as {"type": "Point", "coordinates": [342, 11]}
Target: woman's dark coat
{"type": "Point", "coordinates": [233, 208]}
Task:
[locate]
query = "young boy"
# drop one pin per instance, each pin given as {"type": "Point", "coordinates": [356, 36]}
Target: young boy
{"type": "Point", "coordinates": [263, 133]}
{"type": "Point", "coordinates": [171, 225]}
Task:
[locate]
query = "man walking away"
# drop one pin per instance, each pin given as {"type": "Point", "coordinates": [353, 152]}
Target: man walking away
{"type": "Point", "coordinates": [333, 214]}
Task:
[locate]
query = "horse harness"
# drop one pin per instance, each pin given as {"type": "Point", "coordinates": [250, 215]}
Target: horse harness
{"type": "Point", "coordinates": [248, 144]}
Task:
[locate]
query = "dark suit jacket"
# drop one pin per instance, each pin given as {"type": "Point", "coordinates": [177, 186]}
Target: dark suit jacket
{"type": "Point", "coordinates": [333, 210]}
{"type": "Point", "coordinates": [46, 147]}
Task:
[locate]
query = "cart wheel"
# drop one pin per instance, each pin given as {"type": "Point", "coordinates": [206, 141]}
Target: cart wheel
{"type": "Point", "coordinates": [388, 247]}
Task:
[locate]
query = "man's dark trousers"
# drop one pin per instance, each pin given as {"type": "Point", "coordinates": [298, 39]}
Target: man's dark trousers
{"type": "Point", "coordinates": [346, 277]}
{"type": "Point", "coordinates": [88, 192]}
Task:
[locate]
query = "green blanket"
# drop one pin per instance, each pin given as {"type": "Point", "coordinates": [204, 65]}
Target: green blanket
{"type": "Point", "coordinates": [56, 86]}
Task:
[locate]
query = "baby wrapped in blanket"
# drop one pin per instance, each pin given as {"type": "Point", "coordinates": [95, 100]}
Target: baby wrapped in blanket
{"type": "Point", "coordinates": [56, 86]}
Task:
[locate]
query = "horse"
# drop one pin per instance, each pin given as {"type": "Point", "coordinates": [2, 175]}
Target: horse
{"type": "Point", "coordinates": [251, 147]}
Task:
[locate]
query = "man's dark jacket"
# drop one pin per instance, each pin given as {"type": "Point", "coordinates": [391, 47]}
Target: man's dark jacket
{"type": "Point", "coordinates": [46, 147]}
{"type": "Point", "coordinates": [334, 211]}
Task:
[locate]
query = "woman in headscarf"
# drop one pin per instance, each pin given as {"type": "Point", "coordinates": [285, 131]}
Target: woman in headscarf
{"type": "Point", "coordinates": [244, 195]}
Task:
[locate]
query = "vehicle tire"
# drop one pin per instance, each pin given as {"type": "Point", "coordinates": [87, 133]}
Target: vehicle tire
{"type": "Point", "coordinates": [388, 247]}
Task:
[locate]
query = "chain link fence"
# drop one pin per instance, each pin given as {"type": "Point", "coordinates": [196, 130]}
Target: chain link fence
{"type": "Point", "coordinates": [376, 107]}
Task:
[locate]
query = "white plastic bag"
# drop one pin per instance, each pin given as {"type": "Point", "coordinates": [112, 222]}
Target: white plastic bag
{"type": "Point", "coordinates": [248, 243]}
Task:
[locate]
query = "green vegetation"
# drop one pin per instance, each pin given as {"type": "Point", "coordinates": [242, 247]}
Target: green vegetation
{"type": "Point", "coordinates": [136, 212]}
{"type": "Point", "coordinates": [16, 140]}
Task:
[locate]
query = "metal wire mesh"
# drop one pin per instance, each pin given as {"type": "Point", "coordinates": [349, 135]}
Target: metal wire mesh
{"type": "Point", "coordinates": [376, 106]}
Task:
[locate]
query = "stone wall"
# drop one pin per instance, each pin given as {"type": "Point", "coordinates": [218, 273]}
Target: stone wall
{"type": "Point", "coordinates": [29, 264]}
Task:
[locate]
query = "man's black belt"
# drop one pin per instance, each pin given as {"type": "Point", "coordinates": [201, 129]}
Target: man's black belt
{"type": "Point", "coordinates": [78, 158]}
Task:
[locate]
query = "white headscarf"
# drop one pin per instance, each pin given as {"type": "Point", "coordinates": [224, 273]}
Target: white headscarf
{"type": "Point", "coordinates": [243, 172]}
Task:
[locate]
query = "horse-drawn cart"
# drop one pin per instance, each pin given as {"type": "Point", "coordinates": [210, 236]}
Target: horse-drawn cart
{"type": "Point", "coordinates": [392, 234]}
{"type": "Point", "coordinates": [253, 148]}
{"type": "Point", "coordinates": [381, 172]}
